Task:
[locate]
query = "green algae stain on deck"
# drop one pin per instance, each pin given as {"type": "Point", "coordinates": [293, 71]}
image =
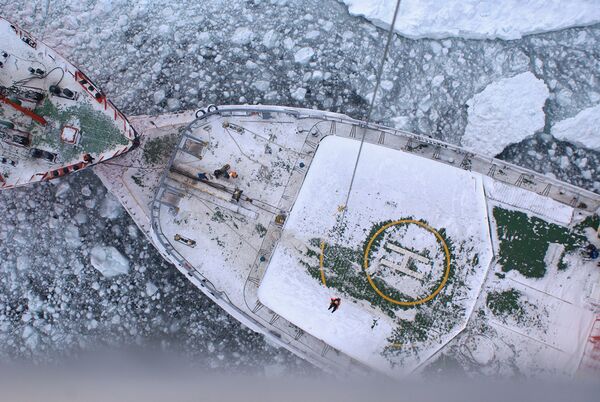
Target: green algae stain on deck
{"type": "Point", "coordinates": [524, 241]}
{"type": "Point", "coordinates": [98, 131]}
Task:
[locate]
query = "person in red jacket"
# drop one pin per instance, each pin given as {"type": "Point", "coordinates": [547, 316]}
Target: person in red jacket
{"type": "Point", "coordinates": [335, 304]}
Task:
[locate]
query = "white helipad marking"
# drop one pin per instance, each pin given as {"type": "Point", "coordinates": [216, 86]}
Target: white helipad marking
{"type": "Point", "coordinates": [402, 268]}
{"type": "Point", "coordinates": [407, 253]}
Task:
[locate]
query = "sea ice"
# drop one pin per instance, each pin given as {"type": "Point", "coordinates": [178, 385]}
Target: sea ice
{"type": "Point", "coordinates": [151, 289]}
{"type": "Point", "coordinates": [71, 236]}
{"type": "Point", "coordinates": [479, 19]}
{"type": "Point", "coordinates": [304, 55]}
{"type": "Point", "coordinates": [583, 128]}
{"type": "Point", "coordinates": [242, 36]}
{"type": "Point", "coordinates": [505, 112]}
{"type": "Point", "coordinates": [299, 94]}
{"type": "Point", "coordinates": [159, 96]}
{"type": "Point", "coordinates": [109, 261]}
{"type": "Point", "coordinates": [110, 207]}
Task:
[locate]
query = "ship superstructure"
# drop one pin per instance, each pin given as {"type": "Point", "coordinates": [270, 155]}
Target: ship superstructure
{"type": "Point", "coordinates": [53, 119]}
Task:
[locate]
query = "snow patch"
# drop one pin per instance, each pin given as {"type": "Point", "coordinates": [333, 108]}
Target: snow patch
{"type": "Point", "coordinates": [287, 287]}
{"type": "Point", "coordinates": [505, 112]}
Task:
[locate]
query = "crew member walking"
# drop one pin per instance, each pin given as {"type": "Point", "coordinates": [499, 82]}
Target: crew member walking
{"type": "Point", "coordinates": [335, 304]}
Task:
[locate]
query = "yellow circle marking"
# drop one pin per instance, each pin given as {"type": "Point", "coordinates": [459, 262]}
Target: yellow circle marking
{"type": "Point", "coordinates": [366, 263]}
{"type": "Point", "coordinates": [368, 251]}
{"type": "Point", "coordinates": [321, 262]}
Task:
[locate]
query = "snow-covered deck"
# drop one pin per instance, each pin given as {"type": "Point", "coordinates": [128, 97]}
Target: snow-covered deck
{"type": "Point", "coordinates": [272, 148]}
{"type": "Point", "coordinates": [389, 185]}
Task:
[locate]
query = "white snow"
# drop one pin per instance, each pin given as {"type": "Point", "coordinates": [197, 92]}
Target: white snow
{"type": "Point", "coordinates": [529, 201]}
{"type": "Point", "coordinates": [505, 112]}
{"type": "Point", "coordinates": [453, 199]}
{"type": "Point", "coordinates": [304, 55]}
{"type": "Point", "coordinates": [582, 129]}
{"type": "Point", "coordinates": [479, 19]}
{"type": "Point", "coordinates": [109, 261]}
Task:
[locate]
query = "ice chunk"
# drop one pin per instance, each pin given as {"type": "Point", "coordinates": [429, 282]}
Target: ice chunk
{"type": "Point", "coordinates": [304, 55]}
{"type": "Point", "coordinates": [109, 261]}
{"type": "Point", "coordinates": [151, 289]}
{"type": "Point", "coordinates": [86, 191]}
{"type": "Point", "coordinates": [289, 43]}
{"type": "Point", "coordinates": [62, 189]}
{"type": "Point", "coordinates": [71, 236]}
{"type": "Point", "coordinates": [505, 112]}
{"type": "Point", "coordinates": [23, 263]}
{"type": "Point", "coordinates": [270, 39]}
{"type": "Point", "coordinates": [437, 80]}
{"type": "Point", "coordinates": [110, 207]}
{"type": "Point", "coordinates": [387, 85]}
{"type": "Point", "coordinates": [242, 36]}
{"type": "Point", "coordinates": [173, 104]}
{"type": "Point", "coordinates": [312, 35]}
{"type": "Point", "coordinates": [203, 38]}
{"type": "Point", "coordinates": [132, 231]}
{"type": "Point", "coordinates": [159, 96]}
{"type": "Point", "coordinates": [81, 218]}
{"type": "Point", "coordinates": [262, 86]}
{"type": "Point", "coordinates": [30, 336]}
{"type": "Point", "coordinates": [400, 122]}
{"type": "Point", "coordinates": [299, 94]}
{"type": "Point", "coordinates": [317, 75]}
{"type": "Point", "coordinates": [583, 128]}
{"type": "Point", "coordinates": [164, 30]}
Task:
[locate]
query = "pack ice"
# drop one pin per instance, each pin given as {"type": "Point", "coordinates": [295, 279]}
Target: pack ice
{"type": "Point", "coordinates": [109, 261]}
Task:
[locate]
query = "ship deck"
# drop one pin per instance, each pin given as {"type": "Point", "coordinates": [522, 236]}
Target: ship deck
{"type": "Point", "coordinates": [232, 237]}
